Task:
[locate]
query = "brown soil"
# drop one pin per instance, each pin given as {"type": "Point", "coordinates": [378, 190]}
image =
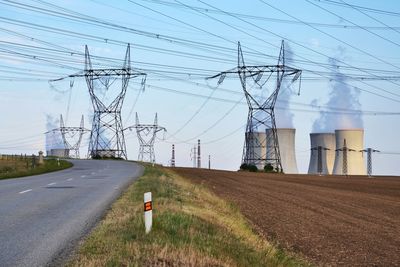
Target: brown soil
{"type": "Point", "coordinates": [331, 220]}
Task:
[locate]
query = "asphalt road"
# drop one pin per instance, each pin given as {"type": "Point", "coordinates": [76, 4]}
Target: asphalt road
{"type": "Point", "coordinates": [43, 217]}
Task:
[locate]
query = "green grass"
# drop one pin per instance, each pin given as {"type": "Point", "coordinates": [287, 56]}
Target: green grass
{"type": "Point", "coordinates": [191, 227]}
{"type": "Point", "coordinates": [20, 167]}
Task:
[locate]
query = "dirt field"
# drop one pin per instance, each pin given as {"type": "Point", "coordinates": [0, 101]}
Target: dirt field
{"type": "Point", "coordinates": [330, 220]}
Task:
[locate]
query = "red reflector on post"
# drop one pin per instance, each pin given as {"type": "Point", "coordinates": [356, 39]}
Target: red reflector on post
{"type": "Point", "coordinates": [148, 206]}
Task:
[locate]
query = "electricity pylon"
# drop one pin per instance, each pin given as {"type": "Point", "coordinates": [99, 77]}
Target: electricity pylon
{"type": "Point", "coordinates": [344, 150]}
{"type": "Point", "coordinates": [107, 135]}
{"type": "Point", "coordinates": [319, 157]}
{"type": "Point", "coordinates": [146, 134]}
{"type": "Point", "coordinates": [261, 111]}
{"type": "Point", "coordinates": [369, 159]}
{"type": "Point", "coordinates": [71, 136]}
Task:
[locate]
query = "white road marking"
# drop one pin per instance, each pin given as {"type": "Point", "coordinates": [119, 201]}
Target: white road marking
{"type": "Point", "coordinates": [51, 184]}
{"type": "Point", "coordinates": [70, 179]}
{"type": "Point", "coordinates": [25, 191]}
{"type": "Point", "coordinates": [83, 176]}
{"type": "Point", "coordinates": [93, 173]}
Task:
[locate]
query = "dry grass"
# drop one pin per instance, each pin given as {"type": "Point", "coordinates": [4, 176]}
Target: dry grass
{"type": "Point", "coordinates": [13, 166]}
{"type": "Point", "coordinates": [191, 227]}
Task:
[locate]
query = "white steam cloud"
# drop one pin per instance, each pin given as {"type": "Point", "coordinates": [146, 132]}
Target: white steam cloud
{"type": "Point", "coordinates": [284, 117]}
{"type": "Point", "coordinates": [342, 98]}
{"type": "Point", "coordinates": [53, 139]}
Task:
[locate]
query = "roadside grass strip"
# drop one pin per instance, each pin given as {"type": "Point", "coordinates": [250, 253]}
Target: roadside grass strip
{"type": "Point", "coordinates": [20, 168]}
{"type": "Point", "coordinates": [191, 227]}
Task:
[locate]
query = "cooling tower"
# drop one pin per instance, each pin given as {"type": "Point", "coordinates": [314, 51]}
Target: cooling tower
{"type": "Point", "coordinates": [326, 153]}
{"type": "Point", "coordinates": [59, 152]}
{"type": "Point", "coordinates": [256, 149]}
{"type": "Point", "coordinates": [348, 158]}
{"type": "Point", "coordinates": [286, 141]}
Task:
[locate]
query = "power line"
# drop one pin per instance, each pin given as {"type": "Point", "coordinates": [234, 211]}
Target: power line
{"type": "Point", "coordinates": [269, 19]}
{"type": "Point", "coordinates": [368, 9]}
{"type": "Point", "coordinates": [349, 21]}
{"type": "Point", "coordinates": [371, 17]}
{"type": "Point", "coordinates": [339, 40]}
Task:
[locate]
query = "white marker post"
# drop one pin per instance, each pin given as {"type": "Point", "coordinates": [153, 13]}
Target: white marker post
{"type": "Point", "coordinates": [148, 212]}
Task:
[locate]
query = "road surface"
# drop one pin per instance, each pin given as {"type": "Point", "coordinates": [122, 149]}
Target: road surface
{"type": "Point", "coordinates": [43, 217]}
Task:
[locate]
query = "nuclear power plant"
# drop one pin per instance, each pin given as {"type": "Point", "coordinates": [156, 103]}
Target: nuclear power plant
{"type": "Point", "coordinates": [338, 153]}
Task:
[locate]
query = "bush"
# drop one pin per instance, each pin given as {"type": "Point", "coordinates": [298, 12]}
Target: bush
{"type": "Point", "coordinates": [244, 167]}
{"type": "Point", "coordinates": [253, 168]}
{"type": "Point", "coordinates": [248, 167]}
{"type": "Point", "coordinates": [269, 168]}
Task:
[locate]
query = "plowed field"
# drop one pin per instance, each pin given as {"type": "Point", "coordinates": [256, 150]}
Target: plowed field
{"type": "Point", "coordinates": [330, 220]}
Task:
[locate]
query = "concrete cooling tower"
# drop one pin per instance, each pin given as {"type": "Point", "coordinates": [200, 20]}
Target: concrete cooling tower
{"type": "Point", "coordinates": [286, 141]}
{"type": "Point", "coordinates": [348, 159]}
{"type": "Point", "coordinates": [256, 150]}
{"type": "Point", "coordinates": [324, 156]}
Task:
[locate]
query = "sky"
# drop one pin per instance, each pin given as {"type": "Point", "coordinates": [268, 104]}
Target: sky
{"type": "Point", "coordinates": [345, 49]}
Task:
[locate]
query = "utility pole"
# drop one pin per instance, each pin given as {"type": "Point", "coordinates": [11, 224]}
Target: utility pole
{"type": "Point", "coordinates": [344, 150]}
{"type": "Point", "coordinates": [261, 112]}
{"type": "Point", "coordinates": [146, 134]}
{"type": "Point", "coordinates": [198, 154]}
{"type": "Point", "coordinates": [319, 157]}
{"type": "Point", "coordinates": [369, 159]}
{"type": "Point", "coordinates": [173, 156]}
{"type": "Point", "coordinates": [209, 162]}
{"type": "Point", "coordinates": [71, 134]}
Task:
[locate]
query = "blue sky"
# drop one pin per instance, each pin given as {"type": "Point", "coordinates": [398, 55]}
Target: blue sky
{"type": "Point", "coordinates": [180, 43]}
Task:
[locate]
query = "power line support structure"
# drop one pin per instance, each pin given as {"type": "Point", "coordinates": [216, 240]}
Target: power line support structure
{"type": "Point", "coordinates": [344, 150]}
{"type": "Point", "coordinates": [369, 159]}
{"type": "Point", "coordinates": [71, 136]}
{"type": "Point", "coordinates": [107, 136]}
{"type": "Point", "coordinates": [261, 111]}
{"type": "Point", "coordinates": [147, 134]}
{"type": "Point", "coordinates": [319, 157]}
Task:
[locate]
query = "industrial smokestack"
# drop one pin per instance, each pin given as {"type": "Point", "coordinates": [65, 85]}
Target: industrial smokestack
{"type": "Point", "coordinates": [286, 141]}
{"type": "Point", "coordinates": [348, 158]}
{"type": "Point", "coordinates": [198, 154]}
{"type": "Point", "coordinates": [173, 156]}
{"type": "Point", "coordinates": [323, 147]}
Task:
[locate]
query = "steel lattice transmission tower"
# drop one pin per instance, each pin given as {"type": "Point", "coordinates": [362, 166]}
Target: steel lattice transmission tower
{"type": "Point", "coordinates": [146, 134]}
{"type": "Point", "coordinates": [69, 133]}
{"type": "Point", "coordinates": [319, 157]}
{"type": "Point", "coordinates": [107, 135]}
{"type": "Point", "coordinates": [369, 159]}
{"type": "Point", "coordinates": [345, 150]}
{"type": "Point", "coordinates": [71, 136]}
{"type": "Point", "coordinates": [261, 111]}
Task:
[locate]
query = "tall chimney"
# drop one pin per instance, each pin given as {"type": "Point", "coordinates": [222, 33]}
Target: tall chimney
{"type": "Point", "coordinates": [198, 154]}
{"type": "Point", "coordinates": [173, 156]}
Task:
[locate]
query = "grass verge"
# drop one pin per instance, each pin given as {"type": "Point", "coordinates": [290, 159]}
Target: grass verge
{"type": "Point", "coordinates": [22, 168]}
{"type": "Point", "coordinates": [191, 227]}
